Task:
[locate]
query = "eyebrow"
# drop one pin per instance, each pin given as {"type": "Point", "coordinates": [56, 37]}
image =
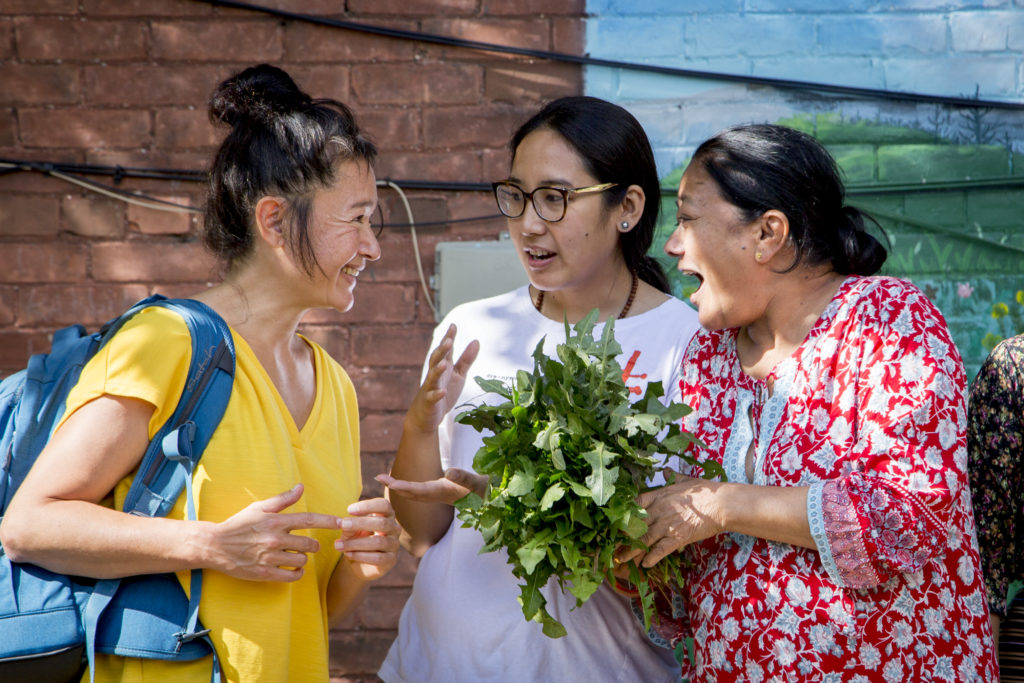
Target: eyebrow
{"type": "Point", "coordinates": [546, 182]}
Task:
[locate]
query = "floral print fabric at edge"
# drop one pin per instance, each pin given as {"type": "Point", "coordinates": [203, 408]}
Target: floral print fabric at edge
{"type": "Point", "coordinates": [869, 413]}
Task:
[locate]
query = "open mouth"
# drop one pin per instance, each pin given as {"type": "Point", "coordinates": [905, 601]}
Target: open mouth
{"type": "Point", "coordinates": [537, 254]}
{"type": "Point", "coordinates": [349, 270]}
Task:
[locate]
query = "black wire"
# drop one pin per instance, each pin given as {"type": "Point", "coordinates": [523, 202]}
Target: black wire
{"type": "Point", "coordinates": [783, 83]}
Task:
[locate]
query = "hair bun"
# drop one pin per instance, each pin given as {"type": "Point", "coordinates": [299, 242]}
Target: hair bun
{"type": "Point", "coordinates": [259, 93]}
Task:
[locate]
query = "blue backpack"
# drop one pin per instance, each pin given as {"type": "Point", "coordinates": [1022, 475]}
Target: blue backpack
{"type": "Point", "coordinates": [51, 625]}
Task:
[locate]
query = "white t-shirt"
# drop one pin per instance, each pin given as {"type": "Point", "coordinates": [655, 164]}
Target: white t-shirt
{"type": "Point", "coordinates": [462, 621]}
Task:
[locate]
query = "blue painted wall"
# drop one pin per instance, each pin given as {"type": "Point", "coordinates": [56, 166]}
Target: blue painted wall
{"type": "Point", "coordinates": [957, 48]}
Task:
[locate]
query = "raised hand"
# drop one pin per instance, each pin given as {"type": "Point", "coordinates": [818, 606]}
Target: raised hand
{"type": "Point", "coordinates": [442, 385]}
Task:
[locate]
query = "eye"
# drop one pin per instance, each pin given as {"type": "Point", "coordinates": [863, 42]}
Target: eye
{"type": "Point", "coordinates": [549, 196]}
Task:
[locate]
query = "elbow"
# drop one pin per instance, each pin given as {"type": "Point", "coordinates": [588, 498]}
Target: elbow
{"type": "Point", "coordinates": [15, 538]}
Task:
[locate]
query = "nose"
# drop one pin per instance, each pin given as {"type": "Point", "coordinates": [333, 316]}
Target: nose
{"type": "Point", "coordinates": [371, 247]}
{"type": "Point", "coordinates": [530, 222]}
{"type": "Point", "coordinates": [674, 243]}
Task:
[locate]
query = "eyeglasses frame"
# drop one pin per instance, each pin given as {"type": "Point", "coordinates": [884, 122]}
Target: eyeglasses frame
{"type": "Point", "coordinates": [564, 191]}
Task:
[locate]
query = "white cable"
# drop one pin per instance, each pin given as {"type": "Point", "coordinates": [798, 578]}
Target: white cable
{"type": "Point", "coordinates": [123, 196]}
{"type": "Point", "coordinates": [415, 244]}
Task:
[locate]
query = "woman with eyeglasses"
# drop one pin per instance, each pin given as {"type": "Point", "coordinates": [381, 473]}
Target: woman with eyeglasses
{"type": "Point", "coordinates": [581, 199]}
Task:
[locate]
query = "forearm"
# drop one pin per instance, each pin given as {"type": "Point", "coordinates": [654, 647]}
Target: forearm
{"type": "Point", "coordinates": [775, 513]}
{"type": "Point", "coordinates": [419, 459]}
{"type": "Point", "coordinates": [344, 591]}
{"type": "Point", "coordinates": [86, 539]}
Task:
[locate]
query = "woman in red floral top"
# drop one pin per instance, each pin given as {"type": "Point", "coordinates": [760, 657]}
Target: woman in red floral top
{"type": "Point", "coordinates": [842, 546]}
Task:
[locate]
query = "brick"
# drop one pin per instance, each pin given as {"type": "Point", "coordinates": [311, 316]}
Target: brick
{"type": "Point", "coordinates": [385, 388]}
{"type": "Point", "coordinates": [79, 39]}
{"type": "Point", "coordinates": [16, 347]}
{"type": "Point", "coordinates": [648, 37]}
{"type": "Point", "coordinates": [85, 128]}
{"type": "Point", "coordinates": [407, 84]}
{"type": "Point", "coordinates": [956, 75]}
{"type": "Point", "coordinates": [383, 303]}
{"type": "Point", "coordinates": [804, 5]}
{"type": "Point", "coordinates": [859, 72]}
{"type": "Point", "coordinates": [405, 569]}
{"type": "Point", "coordinates": [531, 8]}
{"type": "Point", "coordinates": [996, 209]}
{"type": "Point", "coordinates": [146, 8]}
{"type": "Point", "coordinates": [156, 222]}
{"type": "Point", "coordinates": [391, 345]}
{"type": "Point", "coordinates": [867, 34]}
{"type": "Point", "coordinates": [379, 433]}
{"type": "Point", "coordinates": [334, 340]}
{"type": "Point", "coordinates": [149, 85]}
{"type": "Point", "coordinates": [6, 39]}
{"type": "Point", "coordinates": [92, 215]}
{"type": "Point", "coordinates": [540, 82]}
{"type": "Point", "coordinates": [185, 128]}
{"type": "Point", "coordinates": [382, 606]}
{"type": "Point", "coordinates": [32, 84]}
{"type": "Point", "coordinates": [946, 209]}
{"type": "Point", "coordinates": [920, 163]}
{"type": "Point", "coordinates": [151, 260]}
{"type": "Point", "coordinates": [427, 212]}
{"type": "Point", "coordinates": [856, 162]}
{"type": "Point", "coordinates": [40, 6]}
{"type": "Point", "coordinates": [207, 40]}
{"type": "Point", "coordinates": [458, 166]}
{"type": "Point", "coordinates": [8, 128]}
{"type": "Point", "coordinates": [323, 80]}
{"type": "Point", "coordinates": [391, 128]}
{"type": "Point", "coordinates": [470, 127]}
{"type": "Point", "coordinates": [305, 42]}
{"type": "Point", "coordinates": [90, 305]}
{"type": "Point", "coordinates": [358, 652]}
{"type": "Point", "coordinates": [29, 215]}
{"type": "Point", "coordinates": [986, 31]}
{"type": "Point", "coordinates": [532, 34]}
{"type": "Point", "coordinates": [568, 35]}
{"type": "Point", "coordinates": [8, 304]}
{"type": "Point", "coordinates": [663, 8]}
{"type": "Point", "coordinates": [412, 7]}
{"type": "Point", "coordinates": [831, 129]}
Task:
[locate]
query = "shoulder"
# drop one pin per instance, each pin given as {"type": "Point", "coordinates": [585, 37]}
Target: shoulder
{"type": "Point", "coordinates": [500, 306]}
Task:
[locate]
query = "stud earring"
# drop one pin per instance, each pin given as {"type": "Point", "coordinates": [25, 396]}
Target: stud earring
{"type": "Point", "coordinates": [623, 226]}
{"type": "Point", "coordinates": [757, 257]}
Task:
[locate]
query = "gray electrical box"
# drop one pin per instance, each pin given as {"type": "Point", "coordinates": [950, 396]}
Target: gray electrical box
{"type": "Point", "coordinates": [465, 271]}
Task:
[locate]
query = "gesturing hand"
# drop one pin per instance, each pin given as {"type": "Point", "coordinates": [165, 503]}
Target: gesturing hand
{"type": "Point", "coordinates": [256, 543]}
{"type": "Point", "coordinates": [442, 384]}
{"type": "Point", "coordinates": [454, 485]}
{"type": "Point", "coordinates": [370, 538]}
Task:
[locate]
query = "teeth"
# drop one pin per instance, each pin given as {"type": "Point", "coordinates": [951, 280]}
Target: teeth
{"type": "Point", "coordinates": [348, 270]}
{"type": "Point", "coordinates": [539, 253]}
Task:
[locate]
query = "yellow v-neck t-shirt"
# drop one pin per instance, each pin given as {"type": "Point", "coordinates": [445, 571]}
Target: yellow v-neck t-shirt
{"type": "Point", "coordinates": [264, 631]}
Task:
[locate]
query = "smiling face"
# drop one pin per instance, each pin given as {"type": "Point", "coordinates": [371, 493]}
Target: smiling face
{"type": "Point", "coordinates": [581, 252]}
{"type": "Point", "coordinates": [342, 235]}
{"type": "Point", "coordinates": [713, 242]}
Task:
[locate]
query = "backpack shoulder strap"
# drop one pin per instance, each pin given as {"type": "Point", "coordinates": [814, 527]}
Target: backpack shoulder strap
{"type": "Point", "coordinates": [169, 462]}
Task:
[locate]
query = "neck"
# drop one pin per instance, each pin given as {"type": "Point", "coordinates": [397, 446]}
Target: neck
{"type": "Point", "coordinates": [797, 301]}
{"type": "Point", "coordinates": [571, 305]}
{"type": "Point", "coordinates": [256, 310]}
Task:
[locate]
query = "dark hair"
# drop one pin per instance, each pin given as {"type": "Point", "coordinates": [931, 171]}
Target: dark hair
{"type": "Point", "coordinates": [282, 142]}
{"type": "Point", "coordinates": [615, 149]}
{"type": "Point", "coordinates": [762, 167]}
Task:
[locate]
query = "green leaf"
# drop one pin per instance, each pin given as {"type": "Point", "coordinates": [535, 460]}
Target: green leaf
{"type": "Point", "coordinates": [602, 479]}
{"type": "Point", "coordinates": [553, 494]}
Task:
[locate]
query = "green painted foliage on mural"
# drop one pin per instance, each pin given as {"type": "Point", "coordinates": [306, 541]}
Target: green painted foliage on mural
{"type": "Point", "coordinates": [950, 212]}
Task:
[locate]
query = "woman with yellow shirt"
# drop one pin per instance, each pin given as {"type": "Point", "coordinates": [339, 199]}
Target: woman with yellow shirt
{"type": "Point", "coordinates": [285, 544]}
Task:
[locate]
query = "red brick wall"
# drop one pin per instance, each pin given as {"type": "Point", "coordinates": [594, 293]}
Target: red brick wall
{"type": "Point", "coordinates": [126, 82]}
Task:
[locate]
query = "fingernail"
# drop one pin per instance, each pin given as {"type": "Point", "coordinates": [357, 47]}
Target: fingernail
{"type": "Point", "coordinates": [346, 523]}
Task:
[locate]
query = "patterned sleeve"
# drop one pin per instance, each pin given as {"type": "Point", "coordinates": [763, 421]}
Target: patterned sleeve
{"type": "Point", "coordinates": [995, 439]}
{"type": "Point", "coordinates": [895, 508]}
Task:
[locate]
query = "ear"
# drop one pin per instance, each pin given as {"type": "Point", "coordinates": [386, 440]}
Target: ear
{"type": "Point", "coordinates": [269, 216]}
{"type": "Point", "coordinates": [631, 209]}
{"type": "Point", "coordinates": [772, 235]}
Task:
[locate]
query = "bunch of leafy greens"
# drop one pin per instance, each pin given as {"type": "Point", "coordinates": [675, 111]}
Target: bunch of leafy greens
{"type": "Point", "coordinates": [567, 456]}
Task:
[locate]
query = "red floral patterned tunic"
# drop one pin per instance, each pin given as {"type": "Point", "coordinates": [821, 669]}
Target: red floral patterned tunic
{"type": "Point", "coordinates": [869, 413]}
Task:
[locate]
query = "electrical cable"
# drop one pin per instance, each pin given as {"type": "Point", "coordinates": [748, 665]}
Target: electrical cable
{"type": "Point", "coordinates": [415, 244]}
{"type": "Point", "coordinates": [782, 83]}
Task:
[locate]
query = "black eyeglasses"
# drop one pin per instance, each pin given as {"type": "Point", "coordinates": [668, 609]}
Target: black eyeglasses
{"type": "Point", "coordinates": [550, 203]}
